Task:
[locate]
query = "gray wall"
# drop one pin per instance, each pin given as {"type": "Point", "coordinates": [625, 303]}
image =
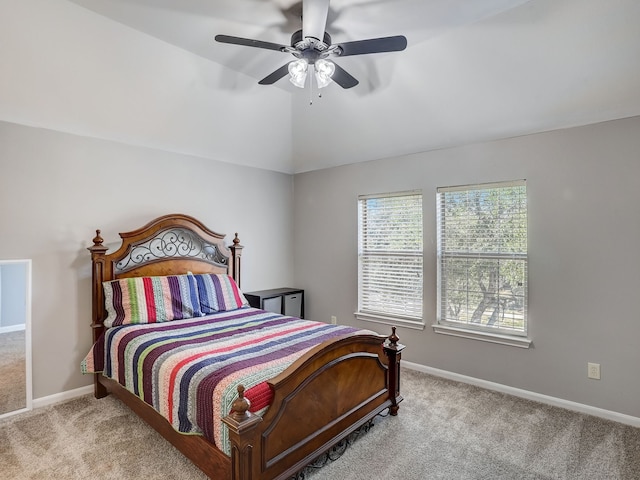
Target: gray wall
{"type": "Point", "coordinates": [56, 189]}
{"type": "Point", "coordinates": [584, 273]}
{"type": "Point", "coordinates": [13, 294]}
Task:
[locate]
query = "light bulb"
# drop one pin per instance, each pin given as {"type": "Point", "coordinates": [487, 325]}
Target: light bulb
{"type": "Point", "coordinates": [324, 70]}
{"type": "Point", "coordinates": [298, 72]}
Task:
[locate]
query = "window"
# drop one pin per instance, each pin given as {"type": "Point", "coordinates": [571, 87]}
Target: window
{"type": "Point", "coordinates": [390, 273]}
{"type": "Point", "coordinates": [482, 262]}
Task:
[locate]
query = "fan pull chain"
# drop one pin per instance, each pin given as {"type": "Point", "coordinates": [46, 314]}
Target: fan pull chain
{"type": "Point", "coordinates": [311, 86]}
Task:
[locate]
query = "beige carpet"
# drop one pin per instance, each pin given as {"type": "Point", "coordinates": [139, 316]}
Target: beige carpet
{"type": "Point", "coordinates": [445, 430]}
{"type": "Point", "coordinates": [13, 392]}
{"type": "Point", "coordinates": [87, 438]}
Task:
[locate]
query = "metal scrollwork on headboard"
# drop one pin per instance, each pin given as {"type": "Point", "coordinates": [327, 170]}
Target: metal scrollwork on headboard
{"type": "Point", "coordinates": [172, 243]}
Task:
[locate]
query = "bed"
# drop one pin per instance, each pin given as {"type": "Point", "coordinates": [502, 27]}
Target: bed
{"type": "Point", "coordinates": [317, 398]}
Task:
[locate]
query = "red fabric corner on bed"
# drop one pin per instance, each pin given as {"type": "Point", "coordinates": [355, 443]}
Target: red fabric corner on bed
{"type": "Point", "coordinates": [259, 396]}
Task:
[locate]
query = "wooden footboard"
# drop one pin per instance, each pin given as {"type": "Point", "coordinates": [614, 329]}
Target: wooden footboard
{"type": "Point", "coordinates": [318, 401]}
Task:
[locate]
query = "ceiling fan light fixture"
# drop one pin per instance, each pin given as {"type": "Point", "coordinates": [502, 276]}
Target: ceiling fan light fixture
{"type": "Point", "coordinates": [324, 69]}
{"type": "Point", "coordinates": [312, 45]}
{"type": "Point", "coordinates": [298, 72]}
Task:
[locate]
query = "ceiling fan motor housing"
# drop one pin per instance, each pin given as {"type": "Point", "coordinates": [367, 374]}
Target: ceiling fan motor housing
{"type": "Point", "coordinates": [310, 48]}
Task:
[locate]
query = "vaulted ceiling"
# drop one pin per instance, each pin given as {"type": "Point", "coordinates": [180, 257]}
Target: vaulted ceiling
{"type": "Point", "coordinates": [473, 71]}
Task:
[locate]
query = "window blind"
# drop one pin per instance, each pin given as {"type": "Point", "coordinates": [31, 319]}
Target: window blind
{"type": "Point", "coordinates": [482, 256]}
{"type": "Point", "coordinates": [390, 255]}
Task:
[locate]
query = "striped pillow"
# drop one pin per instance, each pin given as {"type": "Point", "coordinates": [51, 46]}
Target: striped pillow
{"type": "Point", "coordinates": [150, 299]}
{"type": "Point", "coordinates": [219, 293]}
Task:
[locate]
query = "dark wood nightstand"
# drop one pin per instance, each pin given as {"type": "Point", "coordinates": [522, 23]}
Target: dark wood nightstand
{"type": "Point", "coordinates": [286, 301]}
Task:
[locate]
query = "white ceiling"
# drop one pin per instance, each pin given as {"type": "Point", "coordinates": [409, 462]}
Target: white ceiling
{"type": "Point", "coordinates": [474, 70]}
{"type": "Point", "coordinates": [192, 24]}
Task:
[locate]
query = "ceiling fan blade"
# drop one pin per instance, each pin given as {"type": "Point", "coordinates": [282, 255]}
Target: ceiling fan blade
{"type": "Point", "coordinates": [250, 43]}
{"type": "Point", "coordinates": [343, 78]}
{"type": "Point", "coordinates": [373, 45]}
{"type": "Point", "coordinates": [275, 76]}
{"type": "Point", "coordinates": [314, 18]}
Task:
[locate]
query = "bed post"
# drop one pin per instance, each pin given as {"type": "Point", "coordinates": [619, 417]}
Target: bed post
{"type": "Point", "coordinates": [236, 254]}
{"type": "Point", "coordinates": [242, 435]}
{"type": "Point", "coordinates": [98, 265]}
{"type": "Point", "coordinates": [392, 350]}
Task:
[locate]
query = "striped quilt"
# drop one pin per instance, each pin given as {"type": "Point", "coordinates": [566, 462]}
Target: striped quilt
{"type": "Point", "coordinates": [189, 370]}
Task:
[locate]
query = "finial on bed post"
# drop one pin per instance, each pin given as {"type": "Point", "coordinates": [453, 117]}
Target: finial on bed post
{"type": "Point", "coordinates": [392, 350]}
{"type": "Point", "coordinates": [244, 438]}
{"type": "Point", "coordinates": [97, 240]}
{"type": "Point", "coordinates": [97, 249]}
{"type": "Point", "coordinates": [393, 338]}
{"type": "Point", "coordinates": [236, 254]}
{"type": "Point", "coordinates": [240, 405]}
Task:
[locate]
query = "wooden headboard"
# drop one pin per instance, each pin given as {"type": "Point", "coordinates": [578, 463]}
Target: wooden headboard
{"type": "Point", "coordinates": [169, 245]}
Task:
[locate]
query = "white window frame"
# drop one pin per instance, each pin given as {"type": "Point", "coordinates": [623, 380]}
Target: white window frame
{"type": "Point", "coordinates": [499, 333]}
{"type": "Point", "coordinates": [391, 292]}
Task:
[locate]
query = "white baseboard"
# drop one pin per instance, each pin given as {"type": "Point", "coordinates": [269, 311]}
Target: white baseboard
{"type": "Point", "coordinates": [13, 328]}
{"type": "Point", "coordinates": [61, 397]}
{"type": "Point", "coordinates": [536, 397]}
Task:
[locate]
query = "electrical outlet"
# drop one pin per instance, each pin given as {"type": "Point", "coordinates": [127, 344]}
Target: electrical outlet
{"type": "Point", "coordinates": [593, 370]}
{"type": "Point", "coordinates": [334, 320]}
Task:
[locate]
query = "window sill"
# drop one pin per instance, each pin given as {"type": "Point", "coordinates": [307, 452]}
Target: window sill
{"type": "Point", "coordinates": [512, 341]}
{"type": "Point", "coordinates": [393, 321]}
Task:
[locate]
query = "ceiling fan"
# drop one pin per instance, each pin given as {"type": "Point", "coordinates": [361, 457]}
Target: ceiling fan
{"type": "Point", "coordinates": [312, 48]}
